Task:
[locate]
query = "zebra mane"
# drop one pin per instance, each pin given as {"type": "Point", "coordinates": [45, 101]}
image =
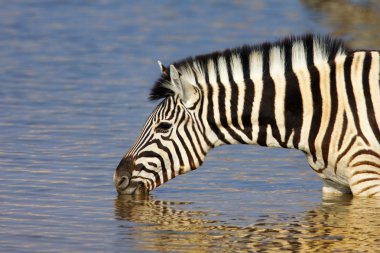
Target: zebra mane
{"type": "Point", "coordinates": [313, 48]}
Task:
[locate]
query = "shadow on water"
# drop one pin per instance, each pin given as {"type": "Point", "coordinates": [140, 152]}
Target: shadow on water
{"type": "Point", "coordinates": [337, 224]}
{"type": "Point", "coordinates": [357, 21]}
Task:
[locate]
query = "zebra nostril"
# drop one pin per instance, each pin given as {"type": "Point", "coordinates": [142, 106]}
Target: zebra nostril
{"type": "Point", "coordinates": [123, 183]}
{"type": "Point", "coordinates": [122, 175]}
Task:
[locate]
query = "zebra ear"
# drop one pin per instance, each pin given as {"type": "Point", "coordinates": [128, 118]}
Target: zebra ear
{"type": "Point", "coordinates": [187, 92]}
{"type": "Point", "coordinates": [164, 70]}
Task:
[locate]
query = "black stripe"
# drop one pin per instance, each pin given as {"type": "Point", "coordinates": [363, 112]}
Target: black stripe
{"type": "Point", "coordinates": [367, 189]}
{"type": "Point", "coordinates": [334, 108]}
{"type": "Point", "coordinates": [317, 109]}
{"type": "Point", "coordinates": [249, 93]}
{"type": "Point", "coordinates": [308, 44]}
{"type": "Point", "coordinates": [293, 109]}
{"type": "Point", "coordinates": [267, 106]}
{"type": "Point", "coordinates": [364, 152]}
{"type": "Point", "coordinates": [343, 133]}
{"type": "Point", "coordinates": [200, 112]}
{"type": "Point", "coordinates": [364, 180]}
{"type": "Point", "coordinates": [293, 101]}
{"type": "Point", "coordinates": [288, 50]}
{"type": "Point", "coordinates": [366, 163]}
{"type": "Point", "coordinates": [266, 110]}
{"type": "Point", "coordinates": [366, 172]}
{"type": "Point", "coordinates": [367, 95]}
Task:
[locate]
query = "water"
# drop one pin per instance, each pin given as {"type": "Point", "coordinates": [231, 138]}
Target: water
{"type": "Point", "coordinates": [74, 78]}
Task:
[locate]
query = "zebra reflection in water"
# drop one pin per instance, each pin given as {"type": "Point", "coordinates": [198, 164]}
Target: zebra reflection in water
{"type": "Point", "coordinates": [309, 93]}
{"type": "Point", "coordinates": [338, 224]}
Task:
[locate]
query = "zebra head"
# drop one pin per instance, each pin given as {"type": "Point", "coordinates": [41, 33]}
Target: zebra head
{"type": "Point", "coordinates": [173, 140]}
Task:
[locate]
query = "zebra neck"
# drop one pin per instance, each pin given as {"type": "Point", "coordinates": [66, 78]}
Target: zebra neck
{"type": "Point", "coordinates": [268, 111]}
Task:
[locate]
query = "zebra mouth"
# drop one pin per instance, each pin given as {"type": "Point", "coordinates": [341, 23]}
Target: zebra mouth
{"type": "Point", "coordinates": [127, 187]}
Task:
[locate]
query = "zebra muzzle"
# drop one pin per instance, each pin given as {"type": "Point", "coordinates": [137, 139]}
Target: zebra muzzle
{"type": "Point", "coordinates": [123, 180]}
{"type": "Point", "coordinates": [126, 186]}
{"type": "Point", "coordinates": [122, 176]}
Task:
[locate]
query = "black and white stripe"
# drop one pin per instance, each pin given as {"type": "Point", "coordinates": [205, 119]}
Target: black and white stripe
{"type": "Point", "coordinates": [310, 93]}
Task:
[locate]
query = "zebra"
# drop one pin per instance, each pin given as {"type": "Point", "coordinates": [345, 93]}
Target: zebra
{"type": "Point", "coordinates": [307, 92]}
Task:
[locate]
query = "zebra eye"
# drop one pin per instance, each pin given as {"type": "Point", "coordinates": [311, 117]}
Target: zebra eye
{"type": "Point", "coordinates": [163, 127]}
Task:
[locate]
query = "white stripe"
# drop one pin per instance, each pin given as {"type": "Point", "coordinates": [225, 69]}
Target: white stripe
{"type": "Point", "coordinates": [324, 84]}
{"type": "Point", "coordinates": [299, 66]}
{"type": "Point", "coordinates": [256, 75]}
{"type": "Point", "coordinates": [319, 53]}
{"type": "Point", "coordinates": [223, 74]}
{"type": "Point", "coordinates": [357, 85]}
{"type": "Point", "coordinates": [343, 106]}
{"type": "Point", "coordinates": [374, 84]}
{"type": "Point", "coordinates": [238, 76]}
{"type": "Point", "coordinates": [277, 72]}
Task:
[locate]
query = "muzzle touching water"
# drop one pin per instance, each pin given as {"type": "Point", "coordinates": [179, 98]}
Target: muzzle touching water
{"type": "Point", "coordinates": [123, 180]}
